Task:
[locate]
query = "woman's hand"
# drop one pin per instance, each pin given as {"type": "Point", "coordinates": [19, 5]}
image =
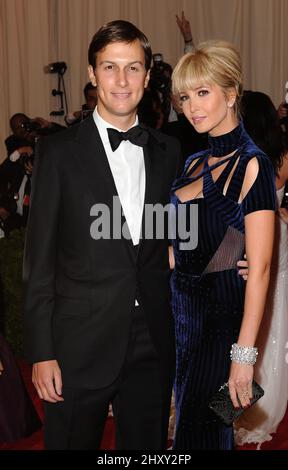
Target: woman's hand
{"type": "Point", "coordinates": [1, 368]}
{"type": "Point", "coordinates": [240, 384]}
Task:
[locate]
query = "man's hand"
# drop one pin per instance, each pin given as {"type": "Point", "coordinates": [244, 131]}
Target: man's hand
{"type": "Point", "coordinates": [185, 28]}
{"type": "Point", "coordinates": [1, 367]}
{"type": "Point", "coordinates": [243, 268]}
{"type": "Point", "coordinates": [46, 377]}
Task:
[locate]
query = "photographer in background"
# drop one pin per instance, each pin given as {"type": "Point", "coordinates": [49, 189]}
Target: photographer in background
{"type": "Point", "coordinates": [20, 136]}
{"type": "Point", "coordinates": [90, 93]}
{"type": "Point", "coordinates": [160, 82]}
{"type": "Point", "coordinates": [16, 170]}
{"type": "Point", "coordinates": [15, 176]}
{"type": "Point", "coordinates": [25, 130]}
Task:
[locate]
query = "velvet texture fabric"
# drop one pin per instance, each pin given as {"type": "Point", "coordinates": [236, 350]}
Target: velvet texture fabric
{"type": "Point", "coordinates": [207, 291]}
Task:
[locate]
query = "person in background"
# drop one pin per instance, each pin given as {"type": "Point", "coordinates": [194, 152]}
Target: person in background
{"type": "Point", "coordinates": [282, 110]}
{"type": "Point", "coordinates": [24, 132]}
{"type": "Point", "coordinates": [16, 169]}
{"type": "Point", "coordinates": [191, 140]}
{"type": "Point", "coordinates": [185, 29]}
{"type": "Point", "coordinates": [90, 94]}
{"type": "Point", "coordinates": [150, 109]}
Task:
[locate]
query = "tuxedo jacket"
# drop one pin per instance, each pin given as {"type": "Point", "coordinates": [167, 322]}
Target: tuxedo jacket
{"type": "Point", "coordinates": [80, 292]}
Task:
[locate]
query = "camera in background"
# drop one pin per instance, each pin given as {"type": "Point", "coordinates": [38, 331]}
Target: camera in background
{"type": "Point", "coordinates": [26, 159]}
{"type": "Point", "coordinates": [56, 67]}
{"type": "Point", "coordinates": [30, 126]}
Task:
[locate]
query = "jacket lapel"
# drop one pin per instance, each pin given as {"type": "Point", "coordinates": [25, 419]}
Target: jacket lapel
{"type": "Point", "coordinates": [154, 152]}
{"type": "Point", "coordinates": [90, 152]}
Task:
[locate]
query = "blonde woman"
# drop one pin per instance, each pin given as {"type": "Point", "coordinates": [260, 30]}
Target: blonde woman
{"type": "Point", "coordinates": [232, 188]}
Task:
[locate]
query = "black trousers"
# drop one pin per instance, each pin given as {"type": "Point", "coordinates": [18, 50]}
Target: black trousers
{"type": "Point", "coordinates": [140, 401]}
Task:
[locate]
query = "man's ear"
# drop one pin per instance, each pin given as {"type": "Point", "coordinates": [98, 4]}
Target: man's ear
{"type": "Point", "coordinates": [147, 78]}
{"type": "Point", "coordinates": [92, 75]}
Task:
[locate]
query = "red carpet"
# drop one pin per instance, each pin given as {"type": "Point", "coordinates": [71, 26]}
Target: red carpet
{"type": "Point", "coordinates": [35, 442]}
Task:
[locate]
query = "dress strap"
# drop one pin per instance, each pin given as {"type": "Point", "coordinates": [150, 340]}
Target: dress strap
{"type": "Point", "coordinates": [225, 174]}
{"type": "Point", "coordinates": [194, 167]}
{"type": "Point", "coordinates": [208, 179]}
{"type": "Point", "coordinates": [236, 183]}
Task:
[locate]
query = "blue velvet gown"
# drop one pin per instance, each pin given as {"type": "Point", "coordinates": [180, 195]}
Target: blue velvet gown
{"type": "Point", "coordinates": [207, 291]}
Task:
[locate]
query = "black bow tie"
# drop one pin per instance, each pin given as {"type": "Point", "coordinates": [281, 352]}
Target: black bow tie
{"type": "Point", "coordinates": [137, 136]}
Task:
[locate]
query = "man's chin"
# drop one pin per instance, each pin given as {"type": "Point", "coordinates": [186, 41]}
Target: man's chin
{"type": "Point", "coordinates": [124, 112]}
{"type": "Point", "coordinates": [117, 111]}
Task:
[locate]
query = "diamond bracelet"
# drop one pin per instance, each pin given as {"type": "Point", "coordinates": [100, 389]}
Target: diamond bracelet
{"type": "Point", "coordinates": [243, 354]}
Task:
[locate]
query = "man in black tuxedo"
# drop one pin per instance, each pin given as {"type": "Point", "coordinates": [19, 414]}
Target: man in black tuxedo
{"type": "Point", "coordinates": [99, 327]}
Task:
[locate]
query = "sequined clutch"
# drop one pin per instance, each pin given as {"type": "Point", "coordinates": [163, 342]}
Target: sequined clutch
{"type": "Point", "coordinates": [223, 407]}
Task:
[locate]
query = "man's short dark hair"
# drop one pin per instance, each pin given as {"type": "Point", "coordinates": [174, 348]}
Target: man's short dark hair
{"type": "Point", "coordinates": [118, 31]}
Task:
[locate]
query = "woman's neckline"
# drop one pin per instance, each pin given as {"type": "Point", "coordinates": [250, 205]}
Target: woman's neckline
{"type": "Point", "coordinates": [224, 145]}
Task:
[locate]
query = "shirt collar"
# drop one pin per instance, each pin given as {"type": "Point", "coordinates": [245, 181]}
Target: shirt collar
{"type": "Point", "coordinates": [104, 125]}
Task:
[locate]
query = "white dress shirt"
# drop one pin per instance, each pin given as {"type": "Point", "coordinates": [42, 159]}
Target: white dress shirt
{"type": "Point", "coordinates": [128, 170]}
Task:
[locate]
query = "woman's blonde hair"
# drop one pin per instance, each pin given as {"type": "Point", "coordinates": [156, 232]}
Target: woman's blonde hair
{"type": "Point", "coordinates": [210, 62]}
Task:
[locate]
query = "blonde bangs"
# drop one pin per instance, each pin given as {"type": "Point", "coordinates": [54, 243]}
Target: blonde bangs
{"type": "Point", "coordinates": [211, 62]}
{"type": "Point", "coordinates": [190, 72]}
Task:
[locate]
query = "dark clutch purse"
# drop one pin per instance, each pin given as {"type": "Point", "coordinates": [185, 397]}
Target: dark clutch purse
{"type": "Point", "coordinates": [223, 407]}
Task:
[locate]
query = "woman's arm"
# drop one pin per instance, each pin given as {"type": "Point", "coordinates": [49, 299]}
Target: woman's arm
{"type": "Point", "coordinates": [259, 244]}
{"type": "Point", "coordinates": [259, 236]}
